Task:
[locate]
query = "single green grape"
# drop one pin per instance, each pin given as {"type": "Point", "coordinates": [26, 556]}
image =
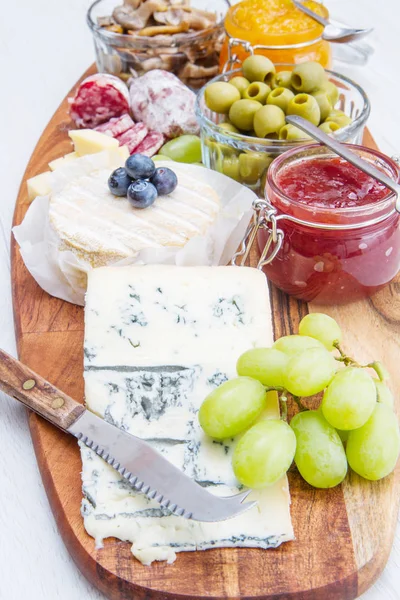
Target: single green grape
{"type": "Point", "coordinates": [320, 456]}
{"type": "Point", "coordinates": [291, 132]}
{"type": "Point", "coordinates": [264, 364]}
{"type": "Point", "coordinates": [185, 149]}
{"type": "Point", "coordinates": [324, 103]}
{"type": "Point", "coordinates": [373, 449]}
{"type": "Point", "coordinates": [158, 157]}
{"type": "Point", "coordinates": [308, 77]}
{"type": "Point", "coordinates": [293, 344]}
{"type": "Point", "coordinates": [258, 68]}
{"type": "Point", "coordinates": [329, 127]}
{"type": "Point", "coordinates": [384, 395]}
{"type": "Point", "coordinates": [240, 83]}
{"type": "Point", "coordinates": [227, 126]}
{"type": "Point", "coordinates": [257, 91]}
{"type": "Point", "coordinates": [281, 97]}
{"type": "Point", "coordinates": [264, 453]}
{"type": "Point", "coordinates": [349, 399]}
{"type": "Point", "coordinates": [282, 79]}
{"type": "Point", "coordinates": [232, 407]}
{"type": "Point", "coordinates": [230, 167]}
{"type": "Point", "coordinates": [219, 96]}
{"type": "Point", "coordinates": [304, 106]}
{"type": "Point", "coordinates": [309, 372]}
{"type": "Point", "coordinates": [321, 327]}
{"type": "Point", "coordinates": [242, 113]}
{"type": "Point", "coordinates": [252, 166]}
{"type": "Point", "coordinates": [268, 121]}
{"type": "Point", "coordinates": [332, 91]}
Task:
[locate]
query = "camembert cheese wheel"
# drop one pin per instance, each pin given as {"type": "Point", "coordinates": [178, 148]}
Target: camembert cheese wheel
{"type": "Point", "coordinates": [101, 228]}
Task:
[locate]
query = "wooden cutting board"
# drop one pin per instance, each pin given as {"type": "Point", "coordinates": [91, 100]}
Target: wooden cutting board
{"type": "Point", "coordinates": [343, 535]}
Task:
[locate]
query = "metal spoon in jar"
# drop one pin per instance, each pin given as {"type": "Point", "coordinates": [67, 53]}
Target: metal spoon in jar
{"type": "Point", "coordinates": [343, 151]}
{"type": "Point", "coordinates": [334, 32]}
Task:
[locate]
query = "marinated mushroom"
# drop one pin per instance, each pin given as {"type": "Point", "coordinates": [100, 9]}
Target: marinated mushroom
{"type": "Point", "coordinates": [137, 18]}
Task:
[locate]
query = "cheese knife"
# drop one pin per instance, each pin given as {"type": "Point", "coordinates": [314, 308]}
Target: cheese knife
{"type": "Point", "coordinates": [147, 471]}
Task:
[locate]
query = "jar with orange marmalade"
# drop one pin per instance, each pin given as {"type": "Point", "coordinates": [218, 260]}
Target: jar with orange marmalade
{"type": "Point", "coordinates": [279, 30]}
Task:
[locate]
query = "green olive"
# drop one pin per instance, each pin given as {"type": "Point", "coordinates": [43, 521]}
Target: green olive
{"type": "Point", "coordinates": [282, 79]}
{"type": "Point", "coordinates": [339, 117]}
{"type": "Point", "coordinates": [291, 132]}
{"type": "Point", "coordinates": [258, 68]}
{"type": "Point", "coordinates": [242, 113]}
{"type": "Point", "coordinates": [228, 127]}
{"type": "Point", "coordinates": [240, 83]}
{"type": "Point", "coordinates": [308, 77]}
{"type": "Point", "coordinates": [305, 106]}
{"type": "Point", "coordinates": [324, 103]}
{"type": "Point", "coordinates": [329, 126]}
{"type": "Point", "coordinates": [268, 121]}
{"type": "Point", "coordinates": [230, 167]}
{"type": "Point", "coordinates": [281, 97]}
{"type": "Point", "coordinates": [331, 90]}
{"type": "Point", "coordinates": [257, 91]}
{"type": "Point", "coordinates": [220, 96]}
{"type": "Point", "coordinates": [252, 166]}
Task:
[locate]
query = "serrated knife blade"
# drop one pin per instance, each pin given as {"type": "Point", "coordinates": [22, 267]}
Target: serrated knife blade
{"type": "Point", "coordinates": [139, 463]}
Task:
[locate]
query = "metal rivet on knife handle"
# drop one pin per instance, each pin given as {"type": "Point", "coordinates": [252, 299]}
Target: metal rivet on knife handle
{"type": "Point", "coordinates": [29, 384]}
{"type": "Point", "coordinates": [57, 403]}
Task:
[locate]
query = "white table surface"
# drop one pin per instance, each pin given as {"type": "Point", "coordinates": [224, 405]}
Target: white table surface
{"type": "Point", "coordinates": [45, 46]}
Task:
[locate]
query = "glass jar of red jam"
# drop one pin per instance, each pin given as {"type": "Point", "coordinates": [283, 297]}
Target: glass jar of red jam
{"type": "Point", "coordinates": [336, 231]}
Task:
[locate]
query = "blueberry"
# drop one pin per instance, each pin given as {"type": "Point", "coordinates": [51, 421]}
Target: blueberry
{"type": "Point", "coordinates": [164, 180]}
{"type": "Point", "coordinates": [141, 193]}
{"type": "Point", "coordinates": [119, 181]}
{"type": "Point", "coordinates": [140, 166]}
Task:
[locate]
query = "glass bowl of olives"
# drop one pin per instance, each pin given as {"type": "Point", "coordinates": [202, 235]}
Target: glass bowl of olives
{"type": "Point", "coordinates": [242, 114]}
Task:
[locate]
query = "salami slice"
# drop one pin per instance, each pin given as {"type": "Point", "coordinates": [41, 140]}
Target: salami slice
{"type": "Point", "coordinates": [133, 137]}
{"type": "Point", "coordinates": [116, 126]}
{"type": "Point", "coordinates": [99, 98]}
{"type": "Point", "coordinates": [151, 144]}
{"type": "Point", "coordinates": [163, 103]}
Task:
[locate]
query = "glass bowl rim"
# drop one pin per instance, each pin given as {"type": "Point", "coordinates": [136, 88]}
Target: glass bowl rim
{"type": "Point", "coordinates": [179, 38]}
{"type": "Point", "coordinates": [352, 211]}
{"type": "Point", "coordinates": [348, 130]}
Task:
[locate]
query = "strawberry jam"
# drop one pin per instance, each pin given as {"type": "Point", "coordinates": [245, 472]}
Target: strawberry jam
{"type": "Point", "coordinates": [341, 233]}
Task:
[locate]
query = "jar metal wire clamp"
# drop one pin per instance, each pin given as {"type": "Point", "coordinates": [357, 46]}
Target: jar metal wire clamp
{"type": "Point", "coordinates": [264, 217]}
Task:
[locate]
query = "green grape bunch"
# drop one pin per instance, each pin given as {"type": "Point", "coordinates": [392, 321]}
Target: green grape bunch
{"type": "Point", "coordinates": [355, 425]}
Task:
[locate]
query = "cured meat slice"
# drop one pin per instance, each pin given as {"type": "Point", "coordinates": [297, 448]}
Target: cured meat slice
{"type": "Point", "coordinates": [151, 144]}
{"type": "Point", "coordinates": [133, 137]}
{"type": "Point", "coordinates": [163, 103]}
{"type": "Point", "coordinates": [116, 126]}
{"type": "Point", "coordinates": [99, 98]}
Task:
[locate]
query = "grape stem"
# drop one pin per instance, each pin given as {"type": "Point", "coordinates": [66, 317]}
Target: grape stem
{"type": "Point", "coordinates": [350, 362]}
{"type": "Point", "coordinates": [283, 404]}
{"type": "Point", "coordinates": [347, 360]}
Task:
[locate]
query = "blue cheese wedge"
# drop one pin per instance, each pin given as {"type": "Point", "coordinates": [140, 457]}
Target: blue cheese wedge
{"type": "Point", "coordinates": [158, 339]}
{"type": "Point", "coordinates": [100, 228]}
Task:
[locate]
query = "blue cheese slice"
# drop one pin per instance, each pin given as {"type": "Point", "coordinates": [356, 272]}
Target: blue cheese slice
{"type": "Point", "coordinates": [158, 339]}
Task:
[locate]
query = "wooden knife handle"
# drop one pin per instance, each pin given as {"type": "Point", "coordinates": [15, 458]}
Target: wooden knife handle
{"type": "Point", "coordinates": [36, 393]}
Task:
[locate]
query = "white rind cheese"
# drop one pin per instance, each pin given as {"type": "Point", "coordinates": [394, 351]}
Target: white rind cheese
{"type": "Point", "coordinates": [158, 339]}
{"type": "Point", "coordinates": [101, 228]}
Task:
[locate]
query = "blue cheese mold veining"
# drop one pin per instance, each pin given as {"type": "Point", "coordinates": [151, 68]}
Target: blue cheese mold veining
{"type": "Point", "coordinates": [158, 339]}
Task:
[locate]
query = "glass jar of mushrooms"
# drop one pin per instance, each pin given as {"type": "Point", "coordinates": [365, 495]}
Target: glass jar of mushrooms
{"type": "Point", "coordinates": [139, 36]}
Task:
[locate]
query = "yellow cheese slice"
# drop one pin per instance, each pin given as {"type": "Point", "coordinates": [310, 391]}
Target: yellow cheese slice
{"type": "Point", "coordinates": [39, 185]}
{"type": "Point", "coordinates": [88, 141]}
{"type": "Point", "coordinates": [59, 162]}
